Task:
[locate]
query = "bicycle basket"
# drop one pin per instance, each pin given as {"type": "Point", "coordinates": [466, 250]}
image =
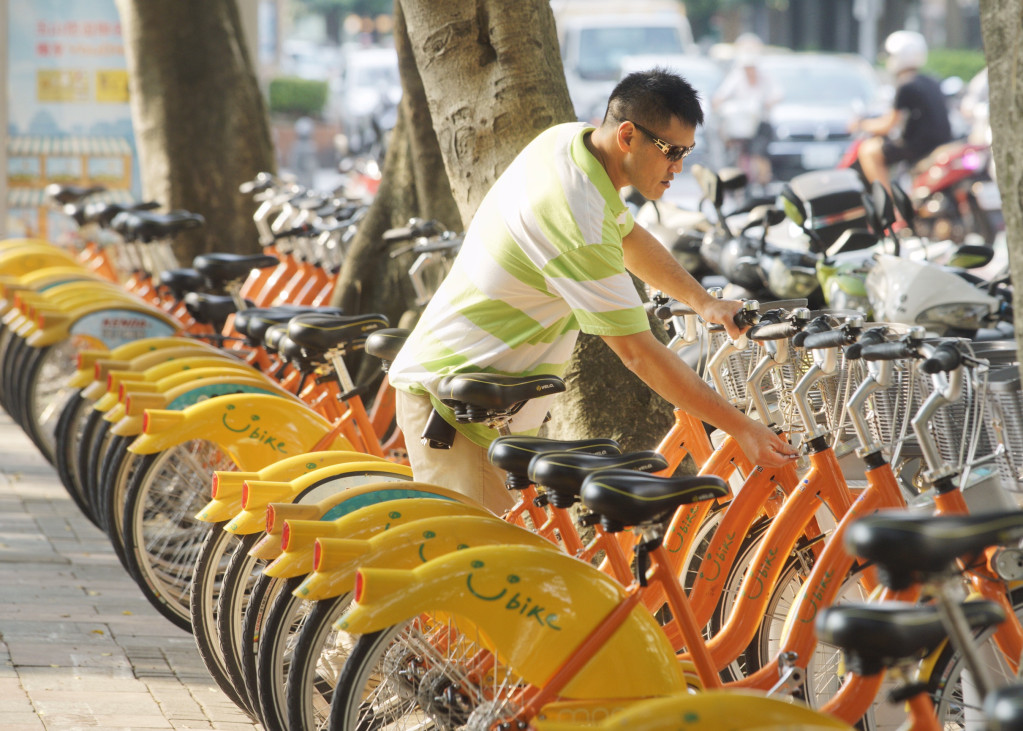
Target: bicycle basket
{"type": "Point", "coordinates": [1004, 424]}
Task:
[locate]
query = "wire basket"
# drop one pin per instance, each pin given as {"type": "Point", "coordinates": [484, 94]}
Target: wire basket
{"type": "Point", "coordinates": [1004, 425]}
{"type": "Point", "coordinates": [889, 409]}
{"type": "Point", "coordinates": [736, 367]}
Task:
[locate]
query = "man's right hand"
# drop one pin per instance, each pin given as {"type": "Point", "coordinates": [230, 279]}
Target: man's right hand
{"type": "Point", "coordinates": [765, 448]}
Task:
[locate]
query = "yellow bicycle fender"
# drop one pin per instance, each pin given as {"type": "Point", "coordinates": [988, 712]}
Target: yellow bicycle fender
{"type": "Point", "coordinates": [536, 605]}
{"type": "Point", "coordinates": [157, 364]}
{"type": "Point", "coordinates": [130, 415]}
{"type": "Point", "coordinates": [123, 384]}
{"type": "Point", "coordinates": [31, 257]}
{"type": "Point", "coordinates": [352, 506]}
{"type": "Point", "coordinates": [122, 356]}
{"type": "Point", "coordinates": [311, 486]}
{"type": "Point", "coordinates": [715, 710]}
{"type": "Point", "coordinates": [102, 323]}
{"type": "Point", "coordinates": [405, 547]}
{"type": "Point", "coordinates": [227, 486]}
{"type": "Point", "coordinates": [254, 429]}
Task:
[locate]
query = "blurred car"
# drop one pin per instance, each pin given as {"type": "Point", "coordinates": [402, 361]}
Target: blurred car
{"type": "Point", "coordinates": [822, 93]}
{"type": "Point", "coordinates": [594, 35]}
{"type": "Point", "coordinates": [367, 100]}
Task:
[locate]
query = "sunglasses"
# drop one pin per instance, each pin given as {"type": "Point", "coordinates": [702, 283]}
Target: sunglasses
{"type": "Point", "coordinates": [674, 153]}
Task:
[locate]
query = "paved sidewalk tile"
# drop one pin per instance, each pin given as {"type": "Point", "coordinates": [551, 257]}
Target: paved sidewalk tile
{"type": "Point", "coordinates": [80, 646]}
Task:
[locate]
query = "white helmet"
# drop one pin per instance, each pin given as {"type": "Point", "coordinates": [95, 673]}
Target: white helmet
{"type": "Point", "coordinates": [906, 49]}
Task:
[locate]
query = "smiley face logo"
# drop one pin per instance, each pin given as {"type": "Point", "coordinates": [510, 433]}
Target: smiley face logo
{"type": "Point", "coordinates": [236, 430]}
{"type": "Point", "coordinates": [511, 579]}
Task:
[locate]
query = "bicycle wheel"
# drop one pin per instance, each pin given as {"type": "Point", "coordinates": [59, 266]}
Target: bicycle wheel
{"type": "Point", "coordinates": [280, 628]}
{"type": "Point", "coordinates": [794, 572]}
{"type": "Point", "coordinates": [956, 700]}
{"type": "Point", "coordinates": [99, 446]}
{"type": "Point", "coordinates": [427, 672]}
{"type": "Point", "coordinates": [111, 500]}
{"type": "Point", "coordinates": [93, 422]}
{"type": "Point", "coordinates": [161, 535]}
{"type": "Point", "coordinates": [239, 577]}
{"type": "Point", "coordinates": [209, 571]}
{"type": "Point", "coordinates": [263, 592]}
{"type": "Point", "coordinates": [46, 392]}
{"type": "Point", "coordinates": [68, 438]}
{"type": "Point", "coordinates": [320, 653]}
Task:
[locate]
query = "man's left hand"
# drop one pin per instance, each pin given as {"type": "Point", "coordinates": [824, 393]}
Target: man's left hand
{"type": "Point", "coordinates": [722, 312]}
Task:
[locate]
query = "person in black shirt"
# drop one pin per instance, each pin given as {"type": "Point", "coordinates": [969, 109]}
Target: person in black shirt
{"type": "Point", "coordinates": [919, 110]}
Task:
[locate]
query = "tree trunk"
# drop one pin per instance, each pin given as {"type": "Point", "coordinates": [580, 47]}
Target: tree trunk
{"type": "Point", "coordinates": [1000, 25]}
{"type": "Point", "coordinates": [494, 80]}
{"type": "Point", "coordinates": [199, 117]}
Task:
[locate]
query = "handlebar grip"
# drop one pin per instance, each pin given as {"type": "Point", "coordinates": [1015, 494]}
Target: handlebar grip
{"type": "Point", "coordinates": [895, 350]}
{"type": "Point", "coordinates": [827, 339]}
{"type": "Point", "coordinates": [773, 331]}
{"type": "Point", "coordinates": [403, 233]}
{"type": "Point", "coordinates": [873, 336]}
{"type": "Point", "coordinates": [680, 309]}
{"type": "Point", "coordinates": [746, 318]}
{"type": "Point", "coordinates": [819, 324]}
{"type": "Point", "coordinates": [663, 312]}
{"type": "Point", "coordinates": [946, 357]}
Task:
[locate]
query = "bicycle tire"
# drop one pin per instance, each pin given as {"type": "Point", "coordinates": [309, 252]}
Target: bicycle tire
{"type": "Point", "coordinates": [262, 592]}
{"type": "Point", "coordinates": [93, 422]}
{"type": "Point", "coordinates": [68, 438]}
{"type": "Point", "coordinates": [281, 625]}
{"type": "Point", "coordinates": [99, 445]}
{"type": "Point", "coordinates": [11, 370]}
{"type": "Point", "coordinates": [240, 575]}
{"type": "Point", "coordinates": [112, 500]}
{"type": "Point", "coordinates": [209, 567]}
{"type": "Point", "coordinates": [321, 650]}
{"type": "Point", "coordinates": [397, 675]}
{"type": "Point", "coordinates": [160, 502]}
{"type": "Point", "coordinates": [46, 392]}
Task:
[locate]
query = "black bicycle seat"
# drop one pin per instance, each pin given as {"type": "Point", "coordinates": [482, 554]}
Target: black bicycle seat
{"type": "Point", "coordinates": [322, 332]}
{"type": "Point", "coordinates": [495, 391]}
{"type": "Point", "coordinates": [513, 454]}
{"type": "Point", "coordinates": [563, 473]}
{"type": "Point", "coordinates": [626, 498]}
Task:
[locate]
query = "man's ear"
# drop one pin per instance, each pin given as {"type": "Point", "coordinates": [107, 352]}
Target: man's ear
{"type": "Point", "coordinates": [625, 135]}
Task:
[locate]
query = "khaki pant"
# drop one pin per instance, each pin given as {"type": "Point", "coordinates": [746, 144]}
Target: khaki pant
{"type": "Point", "coordinates": [464, 468]}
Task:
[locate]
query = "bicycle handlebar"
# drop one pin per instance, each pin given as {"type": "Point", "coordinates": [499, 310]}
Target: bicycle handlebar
{"type": "Point", "coordinates": [946, 357]}
{"type": "Point", "coordinates": [827, 339]}
{"type": "Point", "coordinates": [819, 324]}
{"type": "Point", "coordinates": [773, 331]}
{"type": "Point", "coordinates": [873, 336]}
{"type": "Point", "coordinates": [895, 350]}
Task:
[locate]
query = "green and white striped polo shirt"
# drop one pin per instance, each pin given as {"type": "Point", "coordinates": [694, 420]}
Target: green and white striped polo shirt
{"type": "Point", "coordinates": [542, 260]}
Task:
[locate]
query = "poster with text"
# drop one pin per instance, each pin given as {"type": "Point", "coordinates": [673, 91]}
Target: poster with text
{"type": "Point", "coordinates": [68, 116]}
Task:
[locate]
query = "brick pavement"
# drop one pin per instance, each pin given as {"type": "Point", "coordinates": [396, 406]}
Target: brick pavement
{"type": "Point", "coordinates": [80, 647]}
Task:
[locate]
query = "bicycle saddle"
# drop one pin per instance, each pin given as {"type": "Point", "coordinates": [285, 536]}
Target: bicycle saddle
{"type": "Point", "coordinates": [180, 281]}
{"type": "Point", "coordinates": [103, 212]}
{"type": "Point", "coordinates": [625, 498]}
{"type": "Point", "coordinates": [322, 332]}
{"type": "Point", "coordinates": [907, 548]}
{"type": "Point", "coordinates": [513, 454]}
{"type": "Point", "coordinates": [210, 309]}
{"type": "Point", "coordinates": [385, 344]}
{"type": "Point", "coordinates": [563, 473]}
{"type": "Point", "coordinates": [220, 269]}
{"type": "Point", "coordinates": [70, 193]}
{"type": "Point", "coordinates": [493, 391]}
{"type": "Point", "coordinates": [145, 226]}
{"type": "Point", "coordinates": [254, 321]}
{"type": "Point", "coordinates": [877, 636]}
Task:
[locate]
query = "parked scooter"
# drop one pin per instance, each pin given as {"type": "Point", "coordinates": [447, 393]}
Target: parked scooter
{"type": "Point", "coordinates": [951, 191]}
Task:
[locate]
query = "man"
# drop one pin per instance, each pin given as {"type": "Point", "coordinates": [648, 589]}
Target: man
{"type": "Point", "coordinates": [548, 254]}
{"type": "Point", "coordinates": [919, 111]}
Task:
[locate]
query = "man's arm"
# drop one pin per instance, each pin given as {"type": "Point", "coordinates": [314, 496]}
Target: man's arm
{"type": "Point", "coordinates": [649, 260]}
{"type": "Point", "coordinates": [879, 126]}
{"type": "Point", "coordinates": [669, 376]}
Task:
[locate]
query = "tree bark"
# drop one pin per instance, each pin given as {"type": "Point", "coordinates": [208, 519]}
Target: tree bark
{"type": "Point", "coordinates": [494, 80]}
{"type": "Point", "coordinates": [1001, 22]}
{"type": "Point", "coordinates": [200, 120]}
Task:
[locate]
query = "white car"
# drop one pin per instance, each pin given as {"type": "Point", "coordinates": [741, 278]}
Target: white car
{"type": "Point", "coordinates": [369, 93]}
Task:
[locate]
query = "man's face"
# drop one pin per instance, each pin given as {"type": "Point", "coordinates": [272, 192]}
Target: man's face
{"type": "Point", "coordinates": [649, 169]}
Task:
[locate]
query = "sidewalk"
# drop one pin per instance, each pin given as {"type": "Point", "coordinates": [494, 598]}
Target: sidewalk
{"type": "Point", "coordinates": [80, 647]}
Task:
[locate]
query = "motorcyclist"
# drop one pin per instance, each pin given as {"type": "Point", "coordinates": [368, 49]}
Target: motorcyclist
{"type": "Point", "coordinates": [918, 111]}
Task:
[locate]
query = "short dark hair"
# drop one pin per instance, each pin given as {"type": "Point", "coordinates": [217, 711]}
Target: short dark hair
{"type": "Point", "coordinates": [653, 98]}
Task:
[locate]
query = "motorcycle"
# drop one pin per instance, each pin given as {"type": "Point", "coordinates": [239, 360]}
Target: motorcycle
{"type": "Point", "coordinates": [952, 191]}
